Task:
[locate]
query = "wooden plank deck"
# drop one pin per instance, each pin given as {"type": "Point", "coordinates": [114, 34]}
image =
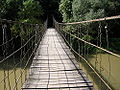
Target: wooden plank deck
{"type": "Point", "coordinates": [54, 67]}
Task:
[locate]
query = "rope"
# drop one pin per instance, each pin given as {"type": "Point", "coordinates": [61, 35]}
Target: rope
{"type": "Point", "coordinates": [9, 40]}
{"type": "Point", "coordinates": [4, 52]}
{"type": "Point", "coordinates": [105, 50]}
{"type": "Point", "coordinates": [109, 63]}
{"type": "Point", "coordinates": [63, 64]}
{"type": "Point", "coordinates": [26, 47]}
{"type": "Point", "coordinates": [17, 64]}
{"type": "Point", "coordinates": [26, 65]}
{"type": "Point", "coordinates": [90, 67]}
{"type": "Point", "coordinates": [17, 22]}
{"type": "Point", "coordinates": [17, 50]}
{"type": "Point", "coordinates": [72, 33]}
{"type": "Point", "coordinates": [95, 20]}
{"type": "Point", "coordinates": [73, 61]}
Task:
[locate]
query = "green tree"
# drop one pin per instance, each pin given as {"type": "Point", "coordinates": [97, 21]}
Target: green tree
{"type": "Point", "coordinates": [2, 8]}
{"type": "Point", "coordinates": [31, 11]}
{"type": "Point", "coordinates": [9, 8]}
{"type": "Point", "coordinates": [86, 10]}
{"type": "Point", "coordinates": [66, 10]}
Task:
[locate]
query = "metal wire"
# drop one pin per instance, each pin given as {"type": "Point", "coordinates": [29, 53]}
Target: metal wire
{"type": "Point", "coordinates": [26, 50]}
{"type": "Point", "coordinates": [105, 50]}
{"type": "Point", "coordinates": [84, 44]}
{"type": "Point", "coordinates": [15, 66]}
{"type": "Point", "coordinates": [4, 51]}
{"type": "Point", "coordinates": [87, 61]}
{"type": "Point", "coordinates": [107, 40]}
{"type": "Point", "coordinates": [17, 50]}
{"type": "Point", "coordinates": [71, 58]}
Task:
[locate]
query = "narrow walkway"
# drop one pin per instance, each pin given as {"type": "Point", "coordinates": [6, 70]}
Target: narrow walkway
{"type": "Point", "coordinates": [54, 67]}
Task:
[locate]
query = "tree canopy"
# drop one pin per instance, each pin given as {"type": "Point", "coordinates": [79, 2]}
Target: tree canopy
{"type": "Point", "coordinates": [82, 10]}
{"type": "Point", "coordinates": [33, 11]}
{"type": "Point", "coordinates": [71, 10]}
{"type": "Point", "coordinates": [78, 10]}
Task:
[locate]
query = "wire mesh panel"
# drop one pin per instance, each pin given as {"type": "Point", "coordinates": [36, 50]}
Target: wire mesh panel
{"type": "Point", "coordinates": [18, 43]}
{"type": "Point", "coordinates": [96, 45]}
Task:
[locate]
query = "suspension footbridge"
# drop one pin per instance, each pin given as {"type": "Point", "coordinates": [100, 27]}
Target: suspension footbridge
{"type": "Point", "coordinates": [37, 58]}
{"type": "Point", "coordinates": [54, 66]}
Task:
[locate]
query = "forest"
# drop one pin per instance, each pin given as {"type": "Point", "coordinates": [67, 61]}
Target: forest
{"type": "Point", "coordinates": [32, 11]}
{"type": "Point", "coordinates": [37, 11]}
{"type": "Point", "coordinates": [79, 10]}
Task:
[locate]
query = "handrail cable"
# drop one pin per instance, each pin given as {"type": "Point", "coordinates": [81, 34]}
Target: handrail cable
{"type": "Point", "coordinates": [9, 40]}
{"type": "Point", "coordinates": [17, 50]}
{"type": "Point", "coordinates": [69, 35]}
{"type": "Point", "coordinates": [26, 64]}
{"type": "Point", "coordinates": [94, 20]}
{"type": "Point", "coordinates": [93, 45]}
{"type": "Point", "coordinates": [88, 64]}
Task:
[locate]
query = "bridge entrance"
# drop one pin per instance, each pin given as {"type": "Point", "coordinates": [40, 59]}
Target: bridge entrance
{"type": "Point", "coordinates": [50, 21]}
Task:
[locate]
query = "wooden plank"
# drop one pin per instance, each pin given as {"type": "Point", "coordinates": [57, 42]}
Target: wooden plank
{"type": "Point", "coordinates": [54, 67]}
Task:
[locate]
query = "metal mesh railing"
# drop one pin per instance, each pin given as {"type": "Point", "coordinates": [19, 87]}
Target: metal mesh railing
{"type": "Point", "coordinates": [95, 44]}
{"type": "Point", "coordinates": [18, 43]}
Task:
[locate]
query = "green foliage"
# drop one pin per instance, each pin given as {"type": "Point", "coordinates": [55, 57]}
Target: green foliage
{"type": "Point", "coordinates": [31, 11]}
{"type": "Point", "coordinates": [32, 8]}
{"type": "Point", "coordinates": [79, 10]}
{"type": "Point", "coordinates": [24, 31]}
{"type": "Point", "coordinates": [66, 10]}
{"type": "Point", "coordinates": [2, 8]}
{"type": "Point", "coordinates": [15, 29]}
{"type": "Point", "coordinates": [87, 10]}
{"type": "Point", "coordinates": [28, 11]}
{"type": "Point", "coordinates": [9, 9]}
{"type": "Point", "coordinates": [87, 38]}
{"type": "Point", "coordinates": [82, 10]}
{"type": "Point", "coordinates": [21, 10]}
